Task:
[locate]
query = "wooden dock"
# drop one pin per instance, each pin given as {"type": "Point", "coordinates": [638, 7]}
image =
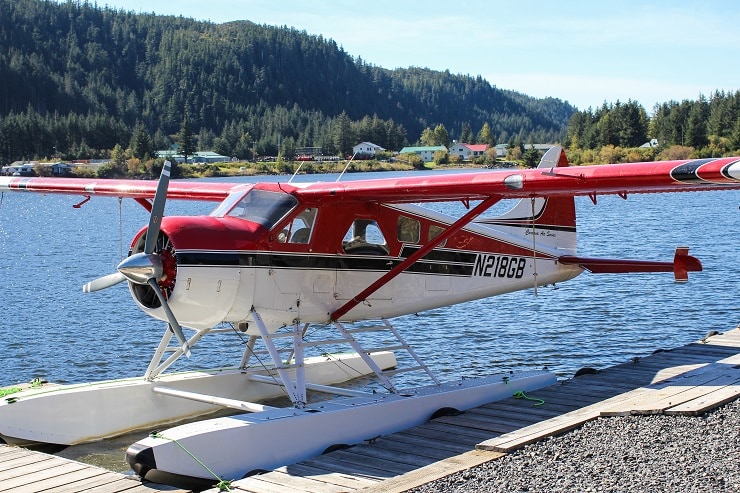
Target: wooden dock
{"type": "Point", "coordinates": [26, 471]}
{"type": "Point", "coordinates": [688, 380]}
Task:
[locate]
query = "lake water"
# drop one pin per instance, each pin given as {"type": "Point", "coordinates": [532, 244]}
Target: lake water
{"type": "Point", "coordinates": [51, 330]}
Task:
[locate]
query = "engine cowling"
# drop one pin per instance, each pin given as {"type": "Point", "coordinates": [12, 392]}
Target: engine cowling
{"type": "Point", "coordinates": [201, 268]}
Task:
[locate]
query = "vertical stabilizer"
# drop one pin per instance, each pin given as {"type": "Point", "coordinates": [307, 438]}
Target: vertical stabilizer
{"type": "Point", "coordinates": [544, 222]}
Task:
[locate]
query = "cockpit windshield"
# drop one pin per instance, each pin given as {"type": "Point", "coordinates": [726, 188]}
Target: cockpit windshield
{"type": "Point", "coordinates": [261, 206]}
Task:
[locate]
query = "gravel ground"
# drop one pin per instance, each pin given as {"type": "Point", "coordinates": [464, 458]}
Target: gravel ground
{"type": "Point", "coordinates": [618, 454]}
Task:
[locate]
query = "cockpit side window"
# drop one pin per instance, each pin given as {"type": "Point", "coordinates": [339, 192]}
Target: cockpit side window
{"type": "Point", "coordinates": [364, 237]}
{"type": "Point", "coordinates": [263, 207]}
{"type": "Point", "coordinates": [300, 228]}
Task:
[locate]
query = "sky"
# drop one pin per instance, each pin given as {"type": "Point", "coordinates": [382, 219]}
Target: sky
{"type": "Point", "coordinates": [583, 52]}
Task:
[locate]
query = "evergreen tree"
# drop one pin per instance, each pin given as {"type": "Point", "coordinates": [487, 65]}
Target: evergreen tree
{"type": "Point", "coordinates": [142, 146]}
{"type": "Point", "coordinates": [485, 136]}
{"type": "Point", "coordinates": [441, 137]}
{"type": "Point", "coordinates": [735, 135]}
{"type": "Point", "coordinates": [466, 133]}
{"type": "Point", "coordinates": [185, 139]}
{"type": "Point", "coordinates": [427, 137]}
{"type": "Point", "coordinates": [531, 157]}
{"type": "Point", "coordinates": [343, 138]}
{"type": "Point", "coordinates": [696, 125]}
{"type": "Point", "coordinates": [118, 160]}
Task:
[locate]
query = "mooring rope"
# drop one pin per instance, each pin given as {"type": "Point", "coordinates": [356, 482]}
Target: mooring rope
{"type": "Point", "coordinates": [223, 485]}
{"type": "Point", "coordinates": [9, 391]}
{"type": "Point", "coordinates": [35, 383]}
{"type": "Point", "coordinates": [520, 394]}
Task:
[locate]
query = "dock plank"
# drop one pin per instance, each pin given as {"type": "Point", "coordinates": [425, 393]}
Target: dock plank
{"type": "Point", "coordinates": [707, 402]}
{"type": "Point", "coordinates": [399, 458]}
{"type": "Point", "coordinates": [55, 472]}
{"type": "Point", "coordinates": [344, 480]}
{"type": "Point", "coordinates": [458, 441]}
{"type": "Point", "coordinates": [15, 466]}
{"type": "Point", "coordinates": [278, 482]}
{"type": "Point", "coordinates": [434, 471]}
{"type": "Point", "coordinates": [100, 484]}
{"type": "Point", "coordinates": [27, 471]}
{"type": "Point", "coordinates": [449, 431]}
{"type": "Point", "coordinates": [70, 479]}
{"type": "Point", "coordinates": [681, 388]}
{"type": "Point", "coordinates": [424, 442]}
{"type": "Point", "coordinates": [421, 451]}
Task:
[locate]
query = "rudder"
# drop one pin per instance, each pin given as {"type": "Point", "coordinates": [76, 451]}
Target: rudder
{"type": "Point", "coordinates": [550, 222]}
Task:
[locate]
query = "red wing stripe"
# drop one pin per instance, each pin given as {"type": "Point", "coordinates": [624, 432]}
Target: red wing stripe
{"type": "Point", "coordinates": [715, 172]}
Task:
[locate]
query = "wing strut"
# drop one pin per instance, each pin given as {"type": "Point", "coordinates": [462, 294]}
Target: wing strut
{"type": "Point", "coordinates": [534, 248]}
{"type": "Point", "coordinates": [388, 276]}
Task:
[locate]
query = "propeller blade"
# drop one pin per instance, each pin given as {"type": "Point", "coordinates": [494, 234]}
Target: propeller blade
{"type": "Point", "coordinates": [170, 317]}
{"type": "Point", "coordinates": [103, 282]}
{"type": "Point", "coordinates": [155, 218]}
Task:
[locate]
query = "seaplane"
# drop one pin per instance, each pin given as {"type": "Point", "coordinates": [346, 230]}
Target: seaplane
{"type": "Point", "coordinates": [273, 260]}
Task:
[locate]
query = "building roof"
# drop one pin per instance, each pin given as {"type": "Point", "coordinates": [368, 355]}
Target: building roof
{"type": "Point", "coordinates": [423, 149]}
{"type": "Point", "coordinates": [370, 144]}
{"type": "Point", "coordinates": [477, 147]}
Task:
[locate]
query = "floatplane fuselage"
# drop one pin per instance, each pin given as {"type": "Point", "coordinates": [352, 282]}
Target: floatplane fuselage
{"type": "Point", "coordinates": [313, 262]}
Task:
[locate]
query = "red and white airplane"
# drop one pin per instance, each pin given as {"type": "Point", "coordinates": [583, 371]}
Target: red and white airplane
{"type": "Point", "coordinates": [275, 255]}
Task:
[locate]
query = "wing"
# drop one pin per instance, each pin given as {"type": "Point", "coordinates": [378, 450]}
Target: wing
{"type": "Point", "coordinates": [544, 181]}
{"type": "Point", "coordinates": [551, 179]}
{"type": "Point", "coordinates": [136, 189]}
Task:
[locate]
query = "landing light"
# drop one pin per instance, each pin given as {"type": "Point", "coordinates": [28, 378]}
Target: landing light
{"type": "Point", "coordinates": [515, 182]}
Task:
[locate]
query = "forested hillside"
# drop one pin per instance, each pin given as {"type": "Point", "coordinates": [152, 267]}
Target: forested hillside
{"type": "Point", "coordinates": [699, 129]}
{"type": "Point", "coordinates": [78, 79]}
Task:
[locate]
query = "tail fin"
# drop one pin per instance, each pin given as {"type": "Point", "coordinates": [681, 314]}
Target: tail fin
{"type": "Point", "coordinates": [546, 222]}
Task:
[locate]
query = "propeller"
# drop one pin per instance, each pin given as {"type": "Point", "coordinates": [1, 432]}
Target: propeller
{"type": "Point", "coordinates": [146, 267]}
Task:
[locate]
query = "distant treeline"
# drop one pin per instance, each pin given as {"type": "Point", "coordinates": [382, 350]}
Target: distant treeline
{"type": "Point", "coordinates": [701, 128]}
{"type": "Point", "coordinates": [77, 80]}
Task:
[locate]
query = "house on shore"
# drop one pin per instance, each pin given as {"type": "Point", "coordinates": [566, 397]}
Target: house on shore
{"type": "Point", "coordinates": [426, 153]}
{"type": "Point", "coordinates": [19, 168]}
{"type": "Point", "coordinates": [198, 157]}
{"type": "Point", "coordinates": [366, 150]}
{"type": "Point", "coordinates": [467, 151]}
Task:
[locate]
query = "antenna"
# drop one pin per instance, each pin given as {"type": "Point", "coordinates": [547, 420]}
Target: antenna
{"type": "Point", "coordinates": [345, 167]}
{"type": "Point", "coordinates": [296, 171]}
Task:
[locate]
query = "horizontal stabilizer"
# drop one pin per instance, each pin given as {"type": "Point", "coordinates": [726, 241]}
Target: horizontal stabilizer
{"type": "Point", "coordinates": [682, 264]}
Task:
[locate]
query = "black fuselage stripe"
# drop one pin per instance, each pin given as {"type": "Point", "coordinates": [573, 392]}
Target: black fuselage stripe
{"type": "Point", "coordinates": [319, 262]}
{"type": "Point", "coordinates": [526, 225]}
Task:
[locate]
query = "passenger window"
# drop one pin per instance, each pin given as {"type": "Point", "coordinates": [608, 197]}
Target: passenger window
{"type": "Point", "coordinates": [408, 229]}
{"type": "Point", "coordinates": [299, 229]}
{"type": "Point", "coordinates": [364, 237]}
{"type": "Point", "coordinates": [435, 231]}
